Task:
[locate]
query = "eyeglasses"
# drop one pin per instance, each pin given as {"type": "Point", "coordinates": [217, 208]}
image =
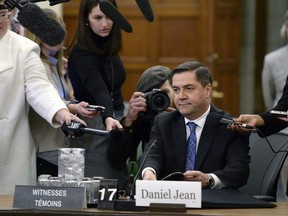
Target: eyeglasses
{"type": "Point", "coordinates": [5, 16]}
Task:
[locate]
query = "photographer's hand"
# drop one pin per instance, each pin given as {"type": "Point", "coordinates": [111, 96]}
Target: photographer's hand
{"type": "Point", "coordinates": [170, 109]}
{"type": "Point", "coordinates": [137, 104]}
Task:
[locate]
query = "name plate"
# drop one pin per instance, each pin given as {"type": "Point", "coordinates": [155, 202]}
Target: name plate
{"type": "Point", "coordinates": [169, 192]}
{"type": "Point", "coordinates": [107, 194]}
{"type": "Point", "coordinates": [46, 197]}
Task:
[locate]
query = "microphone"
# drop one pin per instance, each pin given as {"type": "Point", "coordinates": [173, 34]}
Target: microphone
{"type": "Point", "coordinates": [11, 4]}
{"type": "Point", "coordinates": [129, 205]}
{"type": "Point", "coordinates": [140, 168]}
{"type": "Point", "coordinates": [76, 129]}
{"type": "Point", "coordinates": [112, 13]}
{"type": "Point", "coordinates": [51, 2]}
{"type": "Point", "coordinates": [39, 23]}
{"type": "Point", "coordinates": [230, 121]}
{"type": "Point", "coordinates": [54, 2]}
{"type": "Point", "coordinates": [42, 25]}
{"type": "Point", "coordinates": [116, 134]}
{"type": "Point", "coordinates": [146, 9]}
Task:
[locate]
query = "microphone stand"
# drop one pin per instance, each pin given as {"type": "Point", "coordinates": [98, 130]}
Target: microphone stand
{"type": "Point", "coordinates": [140, 168]}
{"type": "Point", "coordinates": [129, 204]}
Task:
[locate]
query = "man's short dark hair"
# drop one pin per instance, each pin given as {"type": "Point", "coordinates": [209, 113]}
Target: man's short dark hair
{"type": "Point", "coordinates": [202, 72]}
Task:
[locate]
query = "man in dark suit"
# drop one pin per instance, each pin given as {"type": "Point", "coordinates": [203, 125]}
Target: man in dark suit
{"type": "Point", "coordinates": [222, 156]}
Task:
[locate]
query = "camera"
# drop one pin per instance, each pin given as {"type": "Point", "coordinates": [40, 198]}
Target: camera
{"type": "Point", "coordinates": [157, 101]}
{"type": "Point", "coordinates": [95, 108]}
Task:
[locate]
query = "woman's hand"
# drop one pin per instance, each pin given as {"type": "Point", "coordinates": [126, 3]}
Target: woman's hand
{"type": "Point", "coordinates": [63, 115]}
{"type": "Point", "coordinates": [253, 120]}
{"type": "Point", "coordinates": [112, 123]}
{"type": "Point", "coordinates": [81, 109]}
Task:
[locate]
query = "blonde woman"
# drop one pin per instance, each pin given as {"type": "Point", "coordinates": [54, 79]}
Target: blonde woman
{"type": "Point", "coordinates": [47, 138]}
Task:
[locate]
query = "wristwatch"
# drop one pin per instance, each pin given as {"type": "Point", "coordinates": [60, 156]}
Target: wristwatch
{"type": "Point", "coordinates": [211, 181]}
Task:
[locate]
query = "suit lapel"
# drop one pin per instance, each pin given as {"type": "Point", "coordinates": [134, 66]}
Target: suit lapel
{"type": "Point", "coordinates": [207, 137]}
{"type": "Point", "coordinates": [178, 130]}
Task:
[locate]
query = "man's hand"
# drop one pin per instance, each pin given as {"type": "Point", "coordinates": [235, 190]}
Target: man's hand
{"type": "Point", "coordinates": [197, 176]}
{"type": "Point", "coordinates": [149, 175]}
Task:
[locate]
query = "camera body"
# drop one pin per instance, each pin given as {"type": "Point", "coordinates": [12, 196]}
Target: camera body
{"type": "Point", "coordinates": [157, 101]}
{"type": "Point", "coordinates": [95, 108]}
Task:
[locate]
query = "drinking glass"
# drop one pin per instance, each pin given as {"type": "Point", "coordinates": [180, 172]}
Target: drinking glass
{"type": "Point", "coordinates": [71, 163]}
{"type": "Point", "coordinates": [87, 183]}
{"type": "Point", "coordinates": [96, 182]}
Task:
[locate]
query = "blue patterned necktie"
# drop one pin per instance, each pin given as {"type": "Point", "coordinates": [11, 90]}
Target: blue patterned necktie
{"type": "Point", "coordinates": [191, 147]}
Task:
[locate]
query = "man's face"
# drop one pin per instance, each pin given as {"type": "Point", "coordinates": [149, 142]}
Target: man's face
{"type": "Point", "coordinates": [190, 97]}
{"type": "Point", "coordinates": [4, 21]}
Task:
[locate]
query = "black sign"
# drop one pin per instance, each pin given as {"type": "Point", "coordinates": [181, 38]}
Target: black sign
{"type": "Point", "coordinates": [107, 194]}
{"type": "Point", "coordinates": [46, 197]}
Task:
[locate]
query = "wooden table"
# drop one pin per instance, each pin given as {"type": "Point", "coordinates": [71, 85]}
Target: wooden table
{"type": "Point", "coordinates": [6, 203]}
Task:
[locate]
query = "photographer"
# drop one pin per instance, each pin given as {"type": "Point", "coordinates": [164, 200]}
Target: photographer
{"type": "Point", "coordinates": [144, 105]}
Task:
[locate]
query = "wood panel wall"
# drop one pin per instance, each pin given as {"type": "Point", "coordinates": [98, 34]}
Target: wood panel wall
{"type": "Point", "coordinates": [182, 30]}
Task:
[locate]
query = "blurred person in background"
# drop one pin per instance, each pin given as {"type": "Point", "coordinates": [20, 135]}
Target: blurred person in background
{"type": "Point", "coordinates": [275, 70]}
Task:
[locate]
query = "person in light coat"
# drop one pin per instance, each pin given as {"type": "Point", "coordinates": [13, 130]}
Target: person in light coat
{"type": "Point", "coordinates": [275, 70]}
{"type": "Point", "coordinates": [23, 83]}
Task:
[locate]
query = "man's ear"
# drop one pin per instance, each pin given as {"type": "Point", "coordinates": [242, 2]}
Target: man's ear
{"type": "Point", "coordinates": [209, 90]}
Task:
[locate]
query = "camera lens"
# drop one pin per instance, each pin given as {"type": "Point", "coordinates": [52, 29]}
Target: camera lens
{"type": "Point", "coordinates": [160, 101]}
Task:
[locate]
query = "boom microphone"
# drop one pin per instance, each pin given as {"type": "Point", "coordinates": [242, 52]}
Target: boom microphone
{"type": "Point", "coordinates": [146, 9]}
{"type": "Point", "coordinates": [51, 2]}
{"type": "Point", "coordinates": [41, 24]}
{"type": "Point", "coordinates": [54, 2]}
{"type": "Point", "coordinates": [112, 13]}
{"type": "Point", "coordinates": [116, 134]}
{"type": "Point", "coordinates": [11, 4]}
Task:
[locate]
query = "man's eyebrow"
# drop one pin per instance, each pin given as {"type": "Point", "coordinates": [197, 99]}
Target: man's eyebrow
{"type": "Point", "coordinates": [188, 85]}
